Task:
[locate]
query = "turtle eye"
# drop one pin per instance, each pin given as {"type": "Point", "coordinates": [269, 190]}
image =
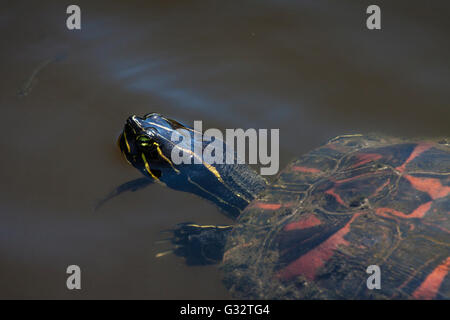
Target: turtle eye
{"type": "Point", "coordinates": [143, 141]}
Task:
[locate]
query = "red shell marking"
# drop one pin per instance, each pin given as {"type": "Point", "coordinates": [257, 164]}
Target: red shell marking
{"type": "Point", "coordinates": [266, 206]}
{"type": "Point", "coordinates": [305, 169]}
{"type": "Point", "coordinates": [307, 222]}
{"type": "Point", "coordinates": [430, 287]}
{"type": "Point", "coordinates": [418, 213]}
{"type": "Point", "coordinates": [338, 198]}
{"type": "Point", "coordinates": [270, 206]}
{"type": "Point", "coordinates": [366, 158]}
{"type": "Point", "coordinates": [429, 185]}
{"type": "Point", "coordinates": [420, 148]}
{"type": "Point", "coordinates": [309, 263]}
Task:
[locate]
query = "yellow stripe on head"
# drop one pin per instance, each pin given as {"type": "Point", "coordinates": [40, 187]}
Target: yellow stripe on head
{"type": "Point", "coordinates": [207, 165]}
{"type": "Point", "coordinates": [208, 226]}
{"type": "Point", "coordinates": [213, 171]}
{"type": "Point", "coordinates": [210, 193]}
{"type": "Point", "coordinates": [147, 168]}
{"type": "Point", "coordinates": [164, 157]}
{"type": "Point", "coordinates": [126, 141]}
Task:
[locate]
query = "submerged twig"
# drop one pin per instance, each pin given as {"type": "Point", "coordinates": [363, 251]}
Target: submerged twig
{"type": "Point", "coordinates": [28, 85]}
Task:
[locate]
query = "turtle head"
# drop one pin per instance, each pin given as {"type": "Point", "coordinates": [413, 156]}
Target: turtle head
{"type": "Point", "coordinates": [146, 144]}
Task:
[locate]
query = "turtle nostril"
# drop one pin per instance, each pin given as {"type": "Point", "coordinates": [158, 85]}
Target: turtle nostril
{"type": "Point", "coordinates": [135, 123]}
{"type": "Point", "coordinates": [134, 119]}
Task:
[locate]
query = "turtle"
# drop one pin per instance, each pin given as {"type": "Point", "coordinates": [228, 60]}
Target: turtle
{"type": "Point", "coordinates": [358, 209]}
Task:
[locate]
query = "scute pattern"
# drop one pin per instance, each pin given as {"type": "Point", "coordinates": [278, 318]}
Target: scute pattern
{"type": "Point", "coordinates": [354, 202]}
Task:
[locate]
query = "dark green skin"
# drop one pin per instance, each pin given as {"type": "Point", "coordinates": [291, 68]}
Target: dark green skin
{"type": "Point", "coordinates": [354, 202]}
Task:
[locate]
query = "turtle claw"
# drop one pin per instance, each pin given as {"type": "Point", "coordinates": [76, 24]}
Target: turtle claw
{"type": "Point", "coordinates": [199, 244]}
{"type": "Point", "coordinates": [164, 253]}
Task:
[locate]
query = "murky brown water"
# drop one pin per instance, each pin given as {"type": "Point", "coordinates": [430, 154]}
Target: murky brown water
{"type": "Point", "coordinates": [310, 68]}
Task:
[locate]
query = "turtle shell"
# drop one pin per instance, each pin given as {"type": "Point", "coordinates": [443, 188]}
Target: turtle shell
{"type": "Point", "coordinates": [355, 202]}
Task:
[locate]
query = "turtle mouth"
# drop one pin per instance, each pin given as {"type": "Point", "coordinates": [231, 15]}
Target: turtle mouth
{"type": "Point", "coordinates": [127, 140]}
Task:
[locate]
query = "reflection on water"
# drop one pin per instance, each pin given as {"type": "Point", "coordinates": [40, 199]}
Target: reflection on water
{"type": "Point", "coordinates": [309, 68]}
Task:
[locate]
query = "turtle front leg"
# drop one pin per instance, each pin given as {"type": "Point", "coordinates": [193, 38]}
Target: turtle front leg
{"type": "Point", "coordinates": [200, 244]}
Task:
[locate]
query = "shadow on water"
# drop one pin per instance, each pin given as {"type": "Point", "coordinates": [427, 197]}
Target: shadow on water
{"type": "Point", "coordinates": [309, 68]}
